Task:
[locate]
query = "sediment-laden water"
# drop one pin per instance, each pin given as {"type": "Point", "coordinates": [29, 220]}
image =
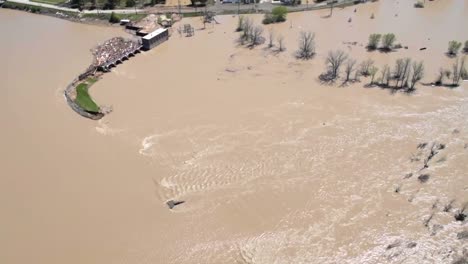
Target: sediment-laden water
{"type": "Point", "coordinates": [273, 167]}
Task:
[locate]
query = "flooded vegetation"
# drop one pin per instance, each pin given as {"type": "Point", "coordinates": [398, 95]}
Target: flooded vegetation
{"type": "Point", "coordinates": [219, 151]}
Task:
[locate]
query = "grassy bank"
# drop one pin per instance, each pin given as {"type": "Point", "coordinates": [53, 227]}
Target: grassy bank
{"type": "Point", "coordinates": [106, 17]}
{"type": "Point", "coordinates": [39, 10]}
{"type": "Point", "coordinates": [52, 2]}
{"type": "Point", "coordinates": [83, 99]}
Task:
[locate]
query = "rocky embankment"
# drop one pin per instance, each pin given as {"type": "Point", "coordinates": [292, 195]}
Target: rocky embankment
{"type": "Point", "coordinates": [106, 55]}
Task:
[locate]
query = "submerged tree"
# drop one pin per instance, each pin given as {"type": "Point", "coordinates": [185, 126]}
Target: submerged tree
{"type": "Point", "coordinates": [388, 40]}
{"type": "Point", "coordinates": [463, 71]}
{"type": "Point", "coordinates": [458, 71]}
{"type": "Point", "coordinates": [398, 70]}
{"type": "Point", "coordinates": [334, 61]}
{"type": "Point", "coordinates": [306, 45]}
{"type": "Point", "coordinates": [271, 38]}
{"type": "Point", "coordinates": [256, 37]}
{"type": "Point", "coordinates": [280, 40]}
{"type": "Point", "coordinates": [372, 72]}
{"type": "Point", "coordinates": [365, 66]}
{"type": "Point", "coordinates": [349, 68]}
{"type": "Point", "coordinates": [240, 24]}
{"type": "Point", "coordinates": [418, 73]}
{"type": "Point", "coordinates": [374, 40]}
{"type": "Point", "coordinates": [455, 74]}
{"type": "Point", "coordinates": [453, 47]}
{"type": "Point", "coordinates": [440, 77]}
{"type": "Point", "coordinates": [247, 28]}
{"type": "Point", "coordinates": [405, 73]}
{"type": "Point", "coordinates": [386, 75]}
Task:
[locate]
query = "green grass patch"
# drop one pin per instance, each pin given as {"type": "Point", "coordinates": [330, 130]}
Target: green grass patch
{"type": "Point", "coordinates": [84, 100]}
{"type": "Point", "coordinates": [52, 2]}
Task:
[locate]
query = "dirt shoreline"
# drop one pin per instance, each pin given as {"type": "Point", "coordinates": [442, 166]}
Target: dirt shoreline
{"type": "Point", "coordinates": [68, 16]}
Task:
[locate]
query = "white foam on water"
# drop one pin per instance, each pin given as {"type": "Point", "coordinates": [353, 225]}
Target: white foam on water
{"type": "Point", "coordinates": [103, 128]}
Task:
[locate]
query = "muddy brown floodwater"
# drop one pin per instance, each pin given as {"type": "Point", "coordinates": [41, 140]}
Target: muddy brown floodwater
{"type": "Point", "coordinates": [273, 166]}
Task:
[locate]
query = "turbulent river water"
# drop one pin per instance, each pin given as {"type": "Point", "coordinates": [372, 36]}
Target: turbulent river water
{"type": "Point", "coordinates": [273, 166]}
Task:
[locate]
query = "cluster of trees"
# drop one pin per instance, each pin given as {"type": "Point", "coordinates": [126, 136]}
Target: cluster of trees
{"type": "Point", "coordinates": [108, 4]}
{"type": "Point", "coordinates": [388, 41]}
{"type": "Point", "coordinates": [458, 71]}
{"type": "Point", "coordinates": [252, 35]}
{"type": "Point", "coordinates": [454, 46]}
{"type": "Point", "coordinates": [404, 75]}
{"type": "Point", "coordinates": [454, 75]}
{"type": "Point", "coordinates": [93, 4]}
{"type": "Point", "coordinates": [277, 15]}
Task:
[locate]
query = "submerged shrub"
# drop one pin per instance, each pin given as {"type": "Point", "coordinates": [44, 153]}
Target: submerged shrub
{"type": "Point", "coordinates": [114, 18]}
{"type": "Point", "coordinates": [240, 24]}
{"type": "Point", "coordinates": [374, 40]}
{"type": "Point", "coordinates": [388, 40]}
{"type": "Point", "coordinates": [453, 47]}
{"type": "Point", "coordinates": [277, 15]}
{"type": "Point", "coordinates": [419, 4]}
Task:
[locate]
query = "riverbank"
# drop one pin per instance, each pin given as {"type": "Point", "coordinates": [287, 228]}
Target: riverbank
{"type": "Point", "coordinates": [101, 19]}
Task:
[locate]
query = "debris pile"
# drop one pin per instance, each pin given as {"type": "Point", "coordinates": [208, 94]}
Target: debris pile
{"type": "Point", "coordinates": [113, 50]}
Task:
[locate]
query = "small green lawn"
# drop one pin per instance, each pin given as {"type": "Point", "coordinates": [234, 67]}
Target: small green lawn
{"type": "Point", "coordinates": [84, 100]}
{"type": "Point", "coordinates": [52, 2]}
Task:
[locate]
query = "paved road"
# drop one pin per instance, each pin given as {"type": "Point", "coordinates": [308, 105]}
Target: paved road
{"type": "Point", "coordinates": [120, 11]}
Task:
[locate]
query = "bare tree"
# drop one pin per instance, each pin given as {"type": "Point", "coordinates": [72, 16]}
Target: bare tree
{"type": "Point", "coordinates": [271, 38]}
{"type": "Point", "coordinates": [455, 74]}
{"type": "Point", "coordinates": [372, 72]}
{"type": "Point", "coordinates": [334, 61]}
{"type": "Point", "coordinates": [256, 37]}
{"type": "Point", "coordinates": [357, 74]}
{"type": "Point", "coordinates": [247, 28]}
{"type": "Point", "coordinates": [386, 75]}
{"type": "Point", "coordinates": [331, 4]}
{"type": "Point", "coordinates": [418, 73]}
{"type": "Point", "coordinates": [440, 77]}
{"type": "Point", "coordinates": [306, 45]}
{"type": "Point", "coordinates": [240, 24]}
{"type": "Point", "coordinates": [405, 73]}
{"type": "Point", "coordinates": [397, 72]}
{"type": "Point", "coordinates": [349, 68]}
{"type": "Point", "coordinates": [365, 66]}
{"type": "Point", "coordinates": [463, 71]}
{"type": "Point", "coordinates": [280, 40]}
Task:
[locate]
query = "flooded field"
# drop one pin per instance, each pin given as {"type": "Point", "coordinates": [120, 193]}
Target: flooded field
{"type": "Point", "coordinates": [273, 166]}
